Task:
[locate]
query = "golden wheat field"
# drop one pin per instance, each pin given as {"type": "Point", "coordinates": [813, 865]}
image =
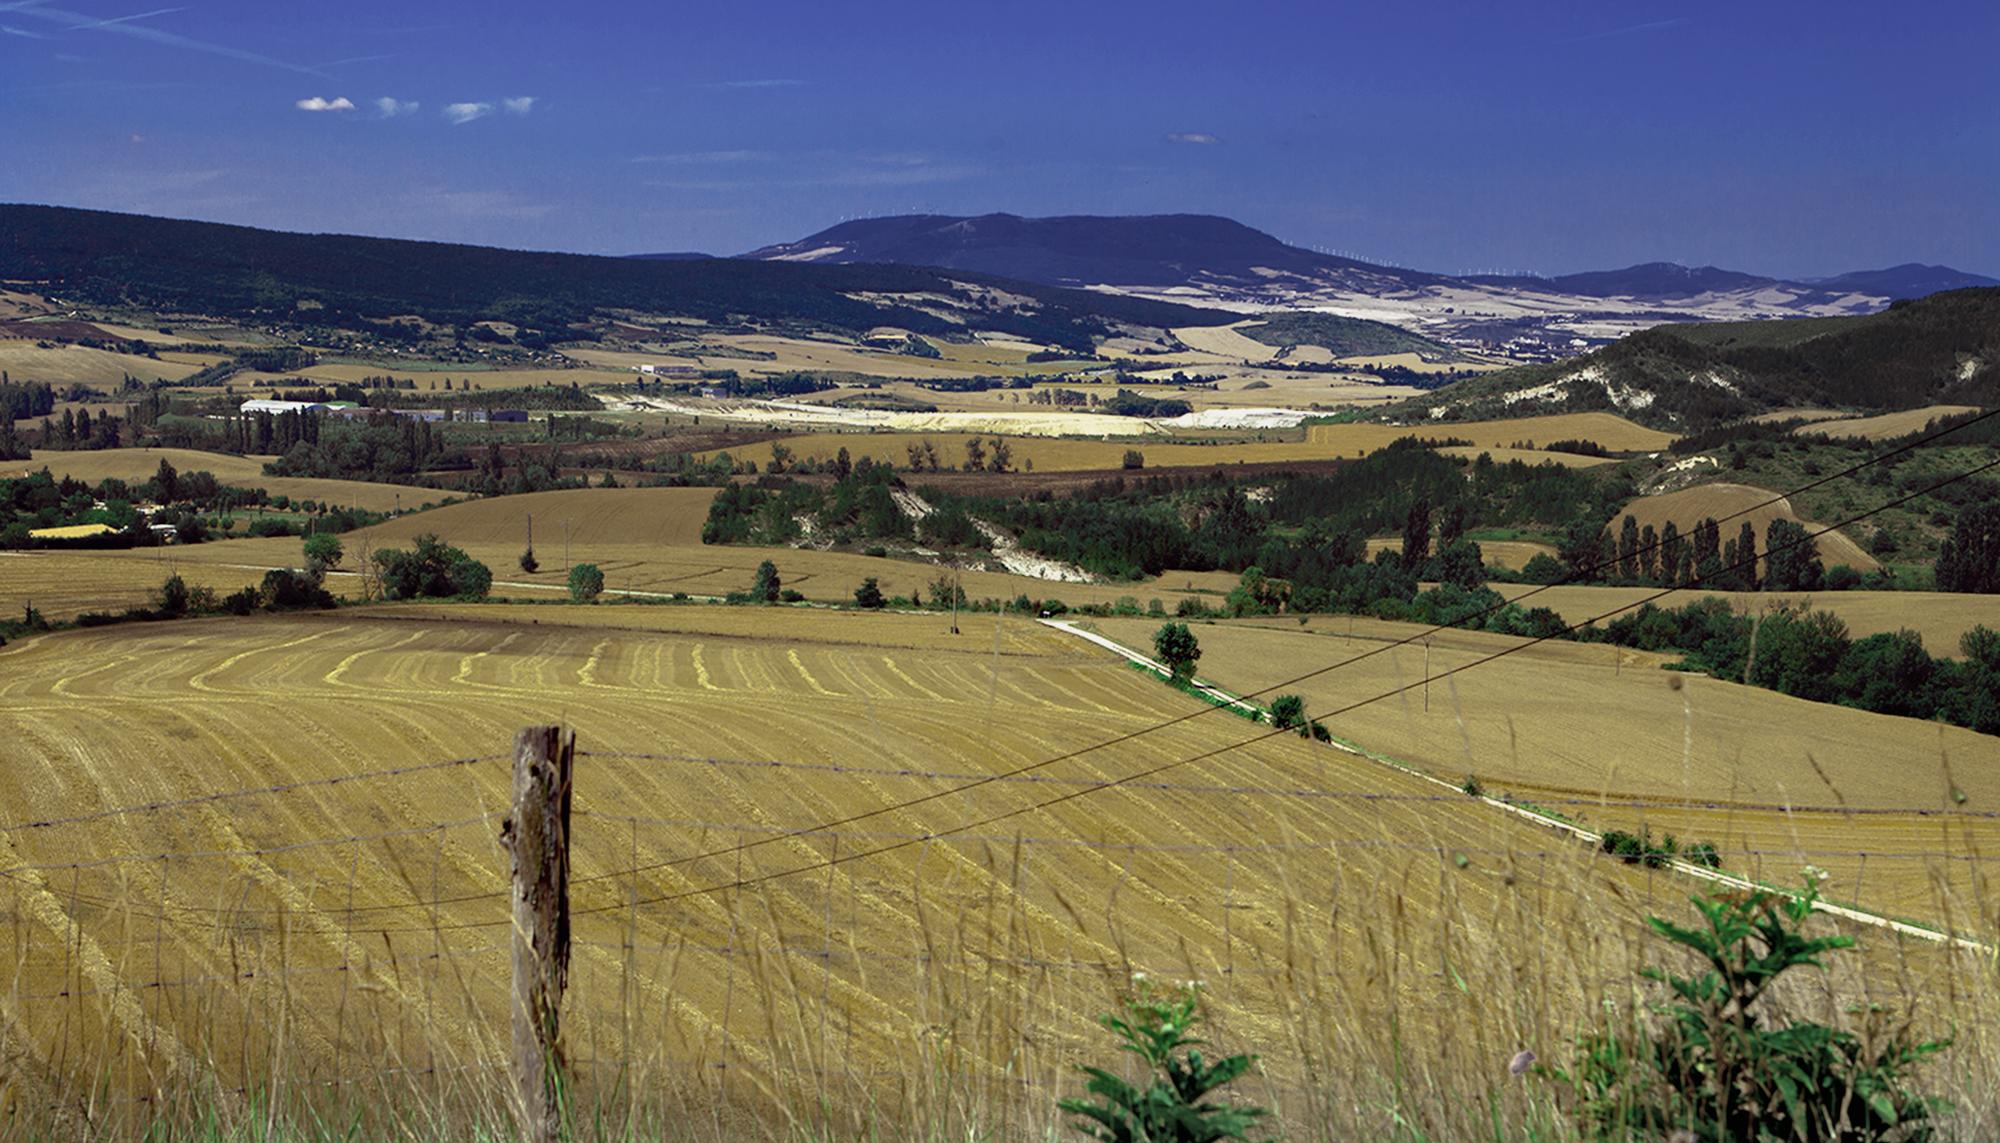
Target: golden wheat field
{"type": "Point", "coordinates": [1602, 734]}
{"type": "Point", "coordinates": [1513, 554]}
{"type": "Point", "coordinates": [137, 464]}
{"type": "Point", "coordinates": [1612, 431]}
{"type": "Point", "coordinates": [257, 857]}
{"type": "Point", "coordinates": [1070, 454]}
{"type": "Point", "coordinates": [1886, 426]}
{"type": "Point", "coordinates": [1759, 506]}
{"type": "Point", "coordinates": [82, 365]}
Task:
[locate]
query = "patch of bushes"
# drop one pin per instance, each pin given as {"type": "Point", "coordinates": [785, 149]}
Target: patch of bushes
{"type": "Point", "coordinates": [432, 569]}
{"type": "Point", "coordinates": [1717, 1063]}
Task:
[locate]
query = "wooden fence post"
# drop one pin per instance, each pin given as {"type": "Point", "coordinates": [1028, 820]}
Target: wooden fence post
{"type": "Point", "coordinates": [536, 836]}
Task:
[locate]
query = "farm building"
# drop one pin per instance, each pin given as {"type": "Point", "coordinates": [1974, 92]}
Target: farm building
{"type": "Point", "coordinates": [265, 405]}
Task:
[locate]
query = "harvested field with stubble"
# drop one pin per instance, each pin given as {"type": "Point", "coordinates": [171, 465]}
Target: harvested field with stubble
{"type": "Point", "coordinates": [62, 585]}
{"type": "Point", "coordinates": [1613, 432]}
{"type": "Point", "coordinates": [1887, 426]}
{"type": "Point", "coordinates": [138, 464]}
{"type": "Point", "coordinates": [648, 543]}
{"type": "Point", "coordinates": [1605, 736]}
{"type": "Point", "coordinates": [1759, 506]}
{"type": "Point", "coordinates": [257, 855]}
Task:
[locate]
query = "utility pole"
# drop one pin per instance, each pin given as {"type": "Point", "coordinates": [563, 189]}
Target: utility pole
{"type": "Point", "coordinates": [565, 545]}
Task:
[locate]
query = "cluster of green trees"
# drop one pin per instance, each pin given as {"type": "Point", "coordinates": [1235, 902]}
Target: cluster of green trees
{"type": "Point", "coordinates": [19, 402]}
{"type": "Point", "coordinates": [434, 569]}
{"type": "Point", "coordinates": [1970, 557]}
{"type": "Point", "coordinates": [1670, 558]}
{"type": "Point", "coordinates": [395, 452]}
{"type": "Point", "coordinates": [25, 399]}
{"type": "Point", "coordinates": [1810, 654]}
{"type": "Point", "coordinates": [77, 429]}
{"type": "Point", "coordinates": [856, 506]}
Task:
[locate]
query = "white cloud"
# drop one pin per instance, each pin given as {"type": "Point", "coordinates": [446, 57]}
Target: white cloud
{"type": "Point", "coordinates": [704, 157]}
{"type": "Point", "coordinates": [320, 103]}
{"type": "Point", "coordinates": [466, 112]}
{"type": "Point", "coordinates": [390, 107]}
{"type": "Point", "coordinates": [24, 33]}
{"type": "Point", "coordinates": [519, 104]}
{"type": "Point", "coordinates": [753, 83]}
{"type": "Point", "coordinates": [1201, 138]}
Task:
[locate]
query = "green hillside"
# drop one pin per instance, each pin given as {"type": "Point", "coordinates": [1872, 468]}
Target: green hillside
{"type": "Point", "coordinates": [1944, 349]}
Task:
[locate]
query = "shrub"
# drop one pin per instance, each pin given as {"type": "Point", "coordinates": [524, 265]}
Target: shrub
{"type": "Point", "coordinates": [1176, 646]}
{"type": "Point", "coordinates": [1542, 568]}
{"type": "Point", "coordinates": [171, 598]}
{"type": "Point", "coordinates": [586, 582]}
{"type": "Point", "coordinates": [1288, 712]}
{"type": "Point", "coordinates": [243, 601]}
{"type": "Point", "coordinates": [432, 569]}
{"type": "Point", "coordinates": [1176, 1106]}
{"type": "Point", "coordinates": [529, 563]}
{"type": "Point", "coordinates": [790, 596]}
{"type": "Point", "coordinates": [471, 579]}
{"type": "Point", "coordinates": [869, 594]}
{"type": "Point", "coordinates": [288, 590]}
{"type": "Point", "coordinates": [267, 526]}
{"type": "Point", "coordinates": [765, 588]}
{"type": "Point", "coordinates": [1719, 1068]}
{"type": "Point", "coordinates": [1134, 459]}
{"type": "Point", "coordinates": [323, 550]}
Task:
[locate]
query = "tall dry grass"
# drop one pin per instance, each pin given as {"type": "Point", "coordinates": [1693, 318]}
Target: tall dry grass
{"type": "Point", "coordinates": [1378, 1010]}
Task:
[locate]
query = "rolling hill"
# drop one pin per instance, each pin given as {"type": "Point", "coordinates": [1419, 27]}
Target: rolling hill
{"type": "Point", "coordinates": [1943, 349]}
{"type": "Point", "coordinates": [171, 265]}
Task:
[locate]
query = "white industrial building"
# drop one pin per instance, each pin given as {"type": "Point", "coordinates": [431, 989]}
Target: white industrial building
{"type": "Point", "coordinates": [263, 405]}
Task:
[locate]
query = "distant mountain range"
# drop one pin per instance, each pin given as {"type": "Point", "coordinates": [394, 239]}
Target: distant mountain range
{"type": "Point", "coordinates": [1208, 260]}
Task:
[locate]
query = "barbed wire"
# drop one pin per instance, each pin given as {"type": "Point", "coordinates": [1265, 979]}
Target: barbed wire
{"type": "Point", "coordinates": [1806, 537]}
{"type": "Point", "coordinates": [246, 976]}
{"type": "Point", "coordinates": [1609, 801]}
{"type": "Point", "coordinates": [248, 851]}
{"type": "Point", "coordinates": [249, 792]}
{"type": "Point", "coordinates": [1085, 788]}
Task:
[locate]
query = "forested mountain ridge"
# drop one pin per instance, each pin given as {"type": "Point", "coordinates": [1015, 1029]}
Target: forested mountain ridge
{"type": "Point", "coordinates": [172, 265]}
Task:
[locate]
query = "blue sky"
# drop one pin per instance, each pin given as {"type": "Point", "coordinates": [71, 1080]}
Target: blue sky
{"type": "Point", "coordinates": [1778, 137]}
